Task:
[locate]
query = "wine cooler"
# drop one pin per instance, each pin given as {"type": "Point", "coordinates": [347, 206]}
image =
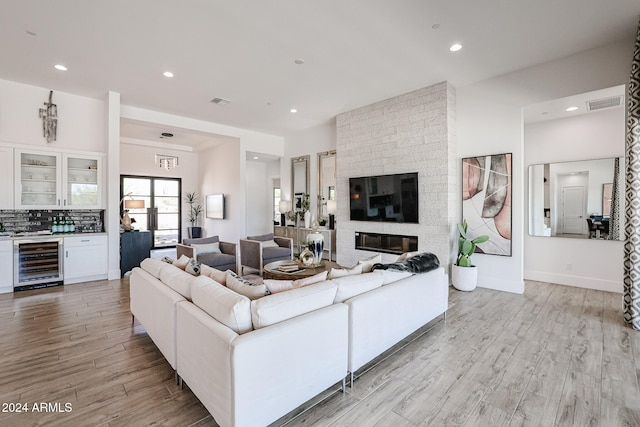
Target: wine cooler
{"type": "Point", "coordinates": [38, 263]}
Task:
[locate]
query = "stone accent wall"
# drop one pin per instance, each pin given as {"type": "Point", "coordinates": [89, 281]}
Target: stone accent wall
{"type": "Point", "coordinates": [414, 132]}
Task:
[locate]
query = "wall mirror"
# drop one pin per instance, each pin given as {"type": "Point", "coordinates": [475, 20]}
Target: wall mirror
{"type": "Point", "coordinates": [299, 180]}
{"type": "Point", "coordinates": [582, 199]}
{"type": "Point", "coordinates": [326, 182]}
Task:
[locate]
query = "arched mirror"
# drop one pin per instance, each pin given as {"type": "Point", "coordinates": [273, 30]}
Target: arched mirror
{"type": "Point", "coordinates": [582, 199]}
{"type": "Point", "coordinates": [299, 180]}
{"type": "Point", "coordinates": [326, 184]}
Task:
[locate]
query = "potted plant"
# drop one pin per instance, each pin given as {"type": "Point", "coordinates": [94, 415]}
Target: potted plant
{"type": "Point", "coordinates": [195, 209]}
{"type": "Point", "coordinates": [464, 275]}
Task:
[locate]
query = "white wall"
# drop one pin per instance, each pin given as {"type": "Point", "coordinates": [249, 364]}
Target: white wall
{"type": "Point", "coordinates": [595, 264]}
{"type": "Point", "coordinates": [221, 172]}
{"type": "Point", "coordinates": [490, 121]}
{"type": "Point", "coordinates": [258, 195]}
{"type": "Point", "coordinates": [81, 123]}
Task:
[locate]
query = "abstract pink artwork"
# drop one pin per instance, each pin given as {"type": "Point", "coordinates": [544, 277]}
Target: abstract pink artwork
{"type": "Point", "coordinates": [486, 201]}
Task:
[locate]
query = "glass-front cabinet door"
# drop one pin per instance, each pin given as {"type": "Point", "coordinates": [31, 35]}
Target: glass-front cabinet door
{"type": "Point", "coordinates": [82, 182]}
{"type": "Point", "coordinates": [38, 177]}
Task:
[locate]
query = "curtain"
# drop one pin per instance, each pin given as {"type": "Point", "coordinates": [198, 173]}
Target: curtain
{"type": "Point", "coordinates": [614, 213]}
{"type": "Point", "coordinates": [631, 278]}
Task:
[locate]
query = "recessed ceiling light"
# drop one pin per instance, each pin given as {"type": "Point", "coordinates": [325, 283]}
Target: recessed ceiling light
{"type": "Point", "coordinates": [455, 47]}
{"type": "Point", "coordinates": [293, 110]}
{"type": "Point", "coordinates": [31, 33]}
{"type": "Point", "coordinates": [571, 109]}
{"type": "Point", "coordinates": [168, 74]}
{"type": "Point", "coordinates": [435, 26]}
{"type": "Point", "coordinates": [166, 135]}
{"type": "Point", "coordinates": [299, 61]}
{"type": "Point", "coordinates": [255, 157]}
{"type": "Point", "coordinates": [60, 67]}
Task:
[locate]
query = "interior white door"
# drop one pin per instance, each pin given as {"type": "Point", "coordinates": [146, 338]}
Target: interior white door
{"type": "Point", "coordinates": [573, 215]}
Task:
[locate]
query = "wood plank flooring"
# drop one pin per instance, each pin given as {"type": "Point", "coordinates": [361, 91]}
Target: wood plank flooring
{"type": "Point", "coordinates": [555, 356]}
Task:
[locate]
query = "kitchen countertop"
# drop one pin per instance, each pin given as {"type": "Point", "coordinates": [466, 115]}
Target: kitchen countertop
{"type": "Point", "coordinates": [6, 235]}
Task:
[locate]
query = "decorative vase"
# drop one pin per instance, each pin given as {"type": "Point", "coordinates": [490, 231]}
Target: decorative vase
{"type": "Point", "coordinates": [194, 232]}
{"type": "Point", "coordinates": [315, 241]}
{"type": "Point", "coordinates": [307, 219]}
{"type": "Point", "coordinates": [464, 278]}
{"type": "Point", "coordinates": [306, 258]}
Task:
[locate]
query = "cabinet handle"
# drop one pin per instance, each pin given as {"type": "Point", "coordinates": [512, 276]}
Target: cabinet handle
{"type": "Point", "coordinates": [66, 254]}
{"type": "Point", "coordinates": [58, 202]}
{"type": "Point", "coordinates": [87, 240]}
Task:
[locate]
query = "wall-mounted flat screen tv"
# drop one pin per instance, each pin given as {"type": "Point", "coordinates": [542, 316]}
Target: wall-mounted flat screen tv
{"type": "Point", "coordinates": [385, 198]}
{"type": "Point", "coordinates": [214, 206]}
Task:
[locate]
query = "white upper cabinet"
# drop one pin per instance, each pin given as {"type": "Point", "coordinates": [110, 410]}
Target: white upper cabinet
{"type": "Point", "coordinates": [6, 178]}
{"type": "Point", "coordinates": [47, 180]}
{"type": "Point", "coordinates": [82, 182]}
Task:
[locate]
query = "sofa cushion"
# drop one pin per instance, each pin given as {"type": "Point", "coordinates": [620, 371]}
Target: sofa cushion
{"type": "Point", "coordinates": [368, 263]}
{"type": "Point", "coordinates": [217, 275]}
{"type": "Point", "coordinates": [320, 277]}
{"type": "Point", "coordinates": [276, 286]}
{"type": "Point", "coordinates": [218, 260]}
{"type": "Point", "coordinates": [201, 240]}
{"type": "Point", "coordinates": [286, 305]}
{"type": "Point", "coordinates": [405, 256]}
{"type": "Point", "coordinates": [351, 286]}
{"type": "Point", "coordinates": [245, 287]}
{"type": "Point", "coordinates": [193, 267]}
{"type": "Point", "coordinates": [227, 307]}
{"type": "Point", "coordinates": [342, 272]}
{"type": "Point", "coordinates": [270, 244]}
{"type": "Point", "coordinates": [390, 276]}
{"type": "Point", "coordinates": [262, 237]}
{"type": "Point", "coordinates": [275, 253]}
{"type": "Point", "coordinates": [207, 248]}
{"type": "Point", "coordinates": [153, 266]}
{"type": "Point", "coordinates": [181, 262]}
{"type": "Point", "coordinates": [177, 280]}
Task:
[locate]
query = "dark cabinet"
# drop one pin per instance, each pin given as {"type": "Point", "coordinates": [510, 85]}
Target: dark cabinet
{"type": "Point", "coordinates": [134, 247]}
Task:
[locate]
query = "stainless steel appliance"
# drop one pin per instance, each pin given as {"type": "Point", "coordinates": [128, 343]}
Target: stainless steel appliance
{"type": "Point", "coordinates": [37, 263]}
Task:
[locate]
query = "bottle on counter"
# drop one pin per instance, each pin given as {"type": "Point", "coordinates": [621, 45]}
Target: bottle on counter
{"type": "Point", "coordinates": [54, 225]}
{"type": "Point", "coordinates": [72, 226]}
{"type": "Point", "coordinates": [67, 226]}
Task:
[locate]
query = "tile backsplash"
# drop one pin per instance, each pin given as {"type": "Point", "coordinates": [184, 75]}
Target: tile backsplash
{"type": "Point", "coordinates": [90, 220]}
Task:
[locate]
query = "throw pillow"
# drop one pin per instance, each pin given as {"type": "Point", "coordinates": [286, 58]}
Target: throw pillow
{"type": "Point", "coordinates": [276, 286]}
{"type": "Point", "coordinates": [342, 272]}
{"type": "Point", "coordinates": [320, 277]}
{"type": "Point", "coordinates": [181, 262]}
{"type": "Point", "coordinates": [167, 260]}
{"type": "Point", "coordinates": [270, 244]}
{"type": "Point", "coordinates": [367, 263]}
{"type": "Point", "coordinates": [209, 248]}
{"type": "Point", "coordinates": [245, 287]}
{"type": "Point", "coordinates": [193, 267]}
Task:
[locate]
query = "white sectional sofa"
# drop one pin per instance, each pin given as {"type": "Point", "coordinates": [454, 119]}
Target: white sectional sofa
{"type": "Point", "coordinates": [251, 362]}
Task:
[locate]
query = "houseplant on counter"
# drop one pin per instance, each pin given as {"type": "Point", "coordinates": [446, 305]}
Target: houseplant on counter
{"type": "Point", "coordinates": [195, 209]}
{"type": "Point", "coordinates": [464, 275]}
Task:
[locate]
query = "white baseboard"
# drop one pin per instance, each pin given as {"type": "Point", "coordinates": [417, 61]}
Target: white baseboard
{"type": "Point", "coordinates": [573, 280]}
{"type": "Point", "coordinates": [516, 287]}
{"type": "Point", "coordinates": [6, 289]}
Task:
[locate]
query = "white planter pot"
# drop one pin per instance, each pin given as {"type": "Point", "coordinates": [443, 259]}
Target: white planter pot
{"type": "Point", "coordinates": [464, 278]}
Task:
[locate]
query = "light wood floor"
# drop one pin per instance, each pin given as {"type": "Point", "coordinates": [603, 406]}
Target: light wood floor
{"type": "Point", "coordinates": [554, 356]}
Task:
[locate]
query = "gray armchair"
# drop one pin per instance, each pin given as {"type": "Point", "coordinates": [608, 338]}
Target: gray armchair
{"type": "Point", "coordinates": [258, 251]}
{"type": "Point", "coordinates": [227, 259]}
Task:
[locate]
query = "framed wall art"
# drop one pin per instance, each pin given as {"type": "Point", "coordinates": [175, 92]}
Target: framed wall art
{"type": "Point", "coordinates": [486, 201]}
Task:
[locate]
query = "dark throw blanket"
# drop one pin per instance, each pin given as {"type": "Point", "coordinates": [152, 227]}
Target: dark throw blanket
{"type": "Point", "coordinates": [421, 263]}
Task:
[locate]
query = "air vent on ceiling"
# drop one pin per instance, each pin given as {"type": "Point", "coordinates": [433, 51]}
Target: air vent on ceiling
{"type": "Point", "coordinates": [599, 104]}
{"type": "Point", "coordinates": [220, 101]}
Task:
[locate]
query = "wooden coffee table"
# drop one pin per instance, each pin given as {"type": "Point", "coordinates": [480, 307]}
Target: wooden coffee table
{"type": "Point", "coordinates": [271, 271]}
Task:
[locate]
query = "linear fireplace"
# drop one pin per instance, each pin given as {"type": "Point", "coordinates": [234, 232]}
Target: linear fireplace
{"type": "Point", "coordinates": [387, 243]}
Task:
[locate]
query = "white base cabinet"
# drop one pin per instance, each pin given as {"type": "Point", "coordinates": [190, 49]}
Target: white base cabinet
{"type": "Point", "coordinates": [6, 266]}
{"type": "Point", "coordinates": [85, 258]}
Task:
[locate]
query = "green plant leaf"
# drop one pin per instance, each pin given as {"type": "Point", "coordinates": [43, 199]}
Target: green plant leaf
{"type": "Point", "coordinates": [480, 239]}
{"type": "Point", "coordinates": [467, 247]}
{"type": "Point", "coordinates": [462, 230]}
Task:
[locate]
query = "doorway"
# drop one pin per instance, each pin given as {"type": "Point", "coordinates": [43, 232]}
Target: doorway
{"type": "Point", "coordinates": [162, 214]}
{"type": "Point", "coordinates": [573, 206]}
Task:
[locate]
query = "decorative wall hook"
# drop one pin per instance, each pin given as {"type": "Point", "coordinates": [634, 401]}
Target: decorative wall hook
{"type": "Point", "coordinates": [49, 118]}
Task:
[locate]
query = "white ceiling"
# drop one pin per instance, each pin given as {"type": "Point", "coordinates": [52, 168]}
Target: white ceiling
{"type": "Point", "coordinates": [356, 52]}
